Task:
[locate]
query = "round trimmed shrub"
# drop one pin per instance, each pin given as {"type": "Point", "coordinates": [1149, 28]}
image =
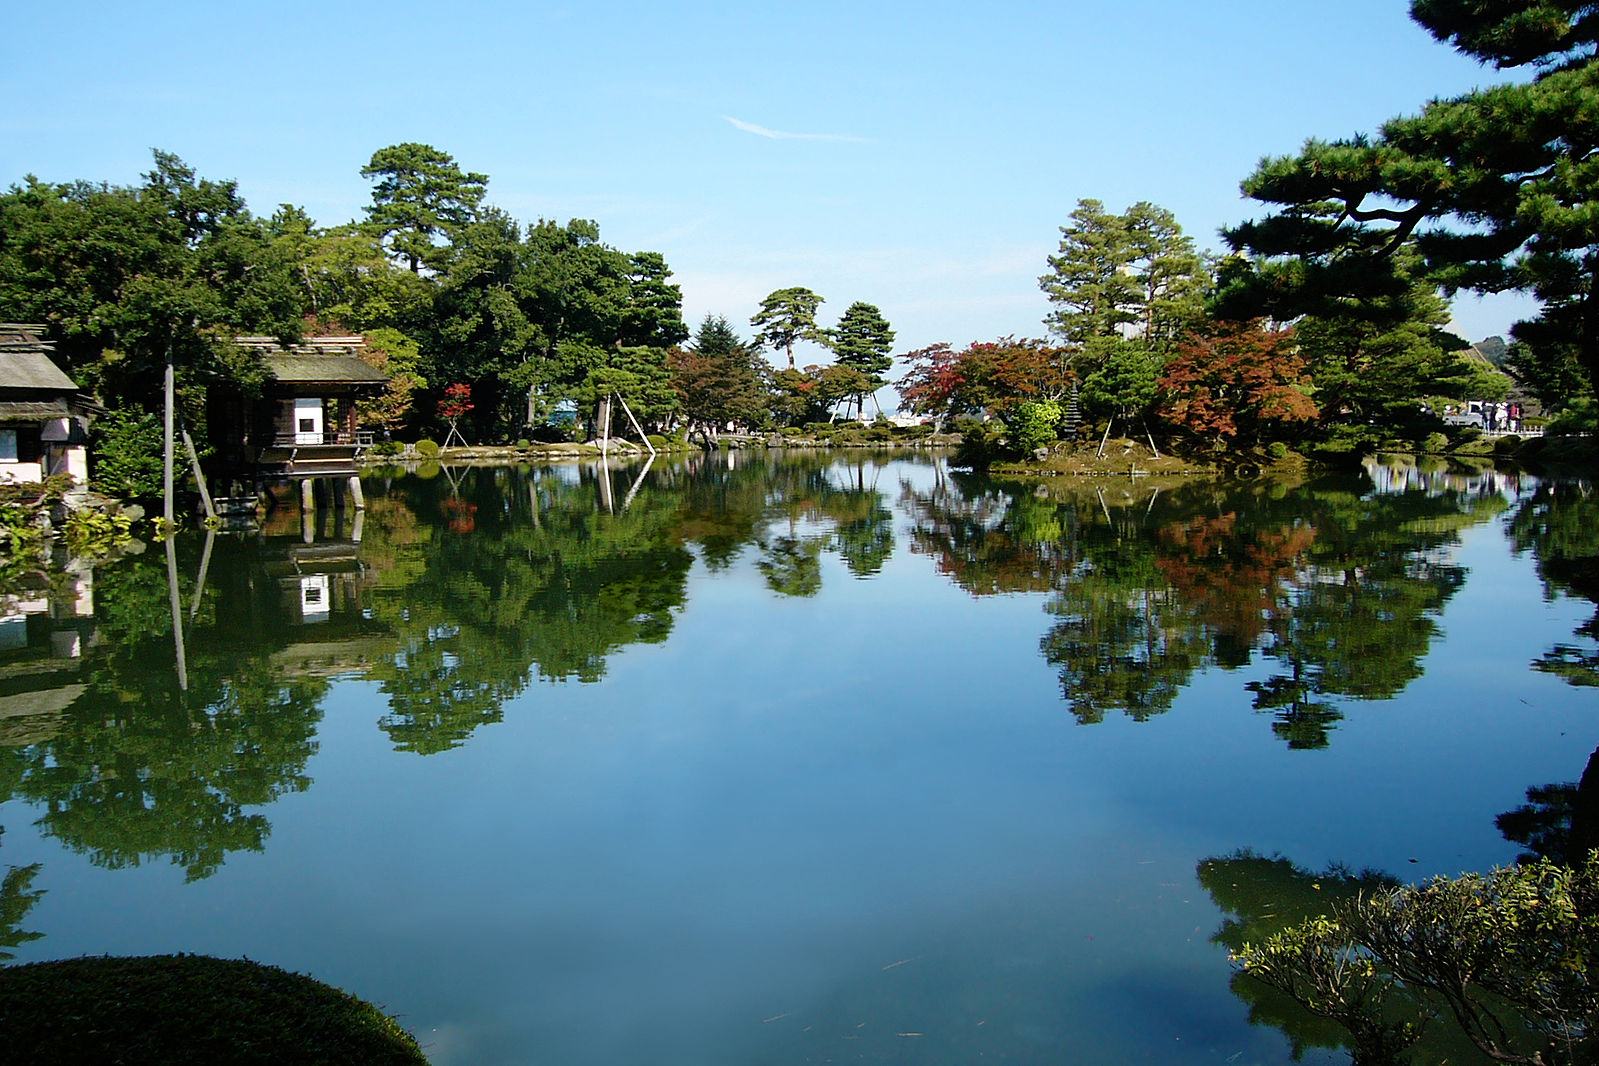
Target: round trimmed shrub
{"type": "Point", "coordinates": [1034, 424]}
{"type": "Point", "coordinates": [171, 1009]}
{"type": "Point", "coordinates": [428, 449]}
{"type": "Point", "coordinates": [1507, 445]}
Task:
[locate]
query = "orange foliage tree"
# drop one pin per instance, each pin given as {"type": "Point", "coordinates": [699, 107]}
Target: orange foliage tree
{"type": "Point", "coordinates": [945, 383]}
{"type": "Point", "coordinates": [1236, 381]}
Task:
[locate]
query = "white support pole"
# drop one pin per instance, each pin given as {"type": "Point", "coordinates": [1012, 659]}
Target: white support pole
{"type": "Point", "coordinates": [637, 482]}
{"type": "Point", "coordinates": [308, 510]}
{"type": "Point", "coordinates": [177, 614]}
{"type": "Point", "coordinates": [199, 476]}
{"type": "Point", "coordinates": [205, 567]}
{"type": "Point", "coordinates": [636, 427]}
{"type": "Point", "coordinates": [166, 455]}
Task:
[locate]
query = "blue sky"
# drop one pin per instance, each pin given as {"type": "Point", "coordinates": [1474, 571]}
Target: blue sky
{"type": "Point", "coordinates": [920, 157]}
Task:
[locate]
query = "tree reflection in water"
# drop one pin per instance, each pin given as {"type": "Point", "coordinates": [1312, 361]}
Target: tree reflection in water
{"type": "Point", "coordinates": [453, 593]}
{"type": "Point", "coordinates": [1152, 584]}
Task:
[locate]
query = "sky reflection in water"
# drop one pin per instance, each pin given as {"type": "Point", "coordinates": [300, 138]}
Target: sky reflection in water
{"type": "Point", "coordinates": [811, 760]}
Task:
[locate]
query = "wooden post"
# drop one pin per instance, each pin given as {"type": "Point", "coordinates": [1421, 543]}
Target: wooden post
{"type": "Point", "coordinates": [308, 510]}
{"type": "Point", "coordinates": [166, 454]}
{"type": "Point", "coordinates": [199, 477]}
{"type": "Point", "coordinates": [177, 609]}
{"type": "Point", "coordinates": [604, 471]}
{"type": "Point", "coordinates": [205, 566]}
{"type": "Point", "coordinates": [636, 427]}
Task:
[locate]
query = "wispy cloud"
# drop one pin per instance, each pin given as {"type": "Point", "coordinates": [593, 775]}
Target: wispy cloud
{"type": "Point", "coordinates": [779, 135]}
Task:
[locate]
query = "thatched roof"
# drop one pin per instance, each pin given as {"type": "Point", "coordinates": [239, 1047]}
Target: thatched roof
{"type": "Point", "coordinates": [23, 334]}
{"type": "Point", "coordinates": [33, 411]}
{"type": "Point", "coordinates": [317, 360]}
{"type": "Point", "coordinates": [21, 368]}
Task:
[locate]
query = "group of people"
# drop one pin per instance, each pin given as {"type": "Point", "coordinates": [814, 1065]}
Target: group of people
{"type": "Point", "coordinates": [1497, 417]}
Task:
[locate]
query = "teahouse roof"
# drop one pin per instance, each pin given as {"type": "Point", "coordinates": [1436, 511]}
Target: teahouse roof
{"type": "Point", "coordinates": [33, 411]}
{"type": "Point", "coordinates": [25, 361]}
{"type": "Point", "coordinates": [316, 360]}
{"type": "Point", "coordinates": [24, 333]}
{"type": "Point", "coordinates": [32, 371]}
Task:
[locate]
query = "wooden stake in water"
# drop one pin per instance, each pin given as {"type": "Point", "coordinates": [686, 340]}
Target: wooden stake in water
{"type": "Point", "coordinates": [166, 455]}
{"type": "Point", "coordinates": [177, 609]}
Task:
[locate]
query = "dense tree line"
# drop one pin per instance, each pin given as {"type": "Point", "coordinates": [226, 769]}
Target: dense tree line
{"type": "Point", "coordinates": [1147, 333]}
{"type": "Point", "coordinates": [449, 290]}
{"type": "Point", "coordinates": [1326, 323]}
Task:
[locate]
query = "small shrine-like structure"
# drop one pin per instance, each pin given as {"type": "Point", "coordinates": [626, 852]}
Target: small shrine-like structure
{"type": "Point", "coordinates": [44, 418]}
{"type": "Point", "coordinates": [303, 425]}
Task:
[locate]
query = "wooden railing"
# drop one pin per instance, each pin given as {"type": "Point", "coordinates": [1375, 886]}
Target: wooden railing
{"type": "Point", "coordinates": [361, 438]}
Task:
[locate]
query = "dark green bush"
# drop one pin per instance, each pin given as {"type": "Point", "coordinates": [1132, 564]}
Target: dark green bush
{"type": "Point", "coordinates": [1581, 415]}
{"type": "Point", "coordinates": [658, 442]}
{"type": "Point", "coordinates": [1277, 450]}
{"type": "Point", "coordinates": [428, 449]}
{"type": "Point", "coordinates": [792, 431]}
{"type": "Point", "coordinates": [524, 444]}
{"type": "Point", "coordinates": [386, 447]}
{"type": "Point", "coordinates": [981, 444]}
{"type": "Point", "coordinates": [186, 1009]}
{"type": "Point", "coordinates": [1435, 442]}
{"type": "Point", "coordinates": [126, 448]}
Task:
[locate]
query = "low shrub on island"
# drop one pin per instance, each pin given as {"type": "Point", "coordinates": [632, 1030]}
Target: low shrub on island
{"type": "Point", "coordinates": [161, 1009]}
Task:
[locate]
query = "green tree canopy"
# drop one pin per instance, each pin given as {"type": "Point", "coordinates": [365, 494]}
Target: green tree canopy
{"type": "Point", "coordinates": [1128, 274]}
{"type": "Point", "coordinates": [862, 341]}
{"type": "Point", "coordinates": [786, 316]}
{"type": "Point", "coordinates": [717, 379]}
{"type": "Point", "coordinates": [420, 195]}
{"type": "Point", "coordinates": [130, 278]}
{"type": "Point", "coordinates": [1493, 190]}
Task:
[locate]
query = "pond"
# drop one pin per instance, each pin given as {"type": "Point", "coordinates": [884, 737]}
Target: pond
{"type": "Point", "coordinates": [823, 758]}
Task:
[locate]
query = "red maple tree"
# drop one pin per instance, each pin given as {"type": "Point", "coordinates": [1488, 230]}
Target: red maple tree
{"type": "Point", "coordinates": [1236, 380]}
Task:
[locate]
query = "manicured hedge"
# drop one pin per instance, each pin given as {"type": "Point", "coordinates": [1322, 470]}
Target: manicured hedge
{"type": "Point", "coordinates": [171, 1009]}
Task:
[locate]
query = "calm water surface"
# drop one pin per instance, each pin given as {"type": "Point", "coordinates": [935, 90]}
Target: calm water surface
{"type": "Point", "coordinates": [824, 759]}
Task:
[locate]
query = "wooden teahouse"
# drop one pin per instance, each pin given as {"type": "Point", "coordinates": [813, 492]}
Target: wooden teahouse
{"type": "Point", "coordinates": [303, 425]}
{"type": "Point", "coordinates": [44, 418]}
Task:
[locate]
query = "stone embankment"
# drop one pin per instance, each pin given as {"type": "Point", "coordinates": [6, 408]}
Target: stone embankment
{"type": "Point", "coordinates": [489, 454]}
